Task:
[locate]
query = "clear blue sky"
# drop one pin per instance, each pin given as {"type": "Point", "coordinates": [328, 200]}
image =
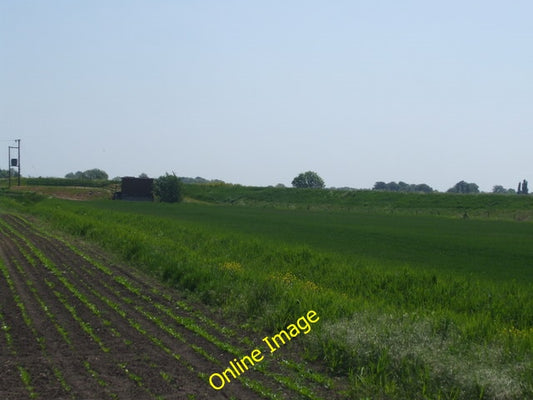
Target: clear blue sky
{"type": "Point", "coordinates": [254, 92]}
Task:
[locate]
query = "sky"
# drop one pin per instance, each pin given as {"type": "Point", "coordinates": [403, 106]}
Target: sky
{"type": "Point", "coordinates": [255, 92]}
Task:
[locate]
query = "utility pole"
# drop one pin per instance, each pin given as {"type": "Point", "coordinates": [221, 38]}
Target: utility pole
{"type": "Point", "coordinates": [18, 147]}
{"type": "Point", "coordinates": [9, 167]}
{"type": "Point", "coordinates": [13, 162]}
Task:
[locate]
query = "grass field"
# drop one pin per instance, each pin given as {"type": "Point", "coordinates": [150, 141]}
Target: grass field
{"type": "Point", "coordinates": [415, 301]}
{"type": "Point", "coordinates": [482, 205]}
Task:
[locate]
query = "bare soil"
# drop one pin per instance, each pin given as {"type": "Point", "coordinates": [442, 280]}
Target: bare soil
{"type": "Point", "coordinates": [70, 324]}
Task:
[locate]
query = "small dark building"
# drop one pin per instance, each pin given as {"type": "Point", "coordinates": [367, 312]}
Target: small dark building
{"type": "Point", "coordinates": [136, 189]}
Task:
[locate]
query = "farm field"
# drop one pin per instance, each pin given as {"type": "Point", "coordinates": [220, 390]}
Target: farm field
{"type": "Point", "coordinates": [74, 325]}
{"type": "Point", "coordinates": [412, 304]}
{"type": "Point", "coordinates": [494, 249]}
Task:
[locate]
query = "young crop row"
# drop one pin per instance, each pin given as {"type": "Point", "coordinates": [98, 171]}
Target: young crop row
{"type": "Point", "coordinates": [189, 324]}
{"type": "Point", "coordinates": [11, 348]}
{"type": "Point", "coordinates": [37, 259]}
{"type": "Point", "coordinates": [99, 309]}
{"type": "Point", "coordinates": [27, 276]}
{"type": "Point", "coordinates": [24, 371]}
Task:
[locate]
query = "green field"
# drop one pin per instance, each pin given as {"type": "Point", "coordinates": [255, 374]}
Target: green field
{"type": "Point", "coordinates": [415, 301]}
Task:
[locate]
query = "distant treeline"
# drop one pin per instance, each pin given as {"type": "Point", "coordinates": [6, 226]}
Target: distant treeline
{"type": "Point", "coordinates": [4, 173]}
{"type": "Point", "coordinates": [200, 180]}
{"type": "Point", "coordinates": [89, 180]}
{"type": "Point", "coordinates": [402, 187]}
{"type": "Point", "coordinates": [90, 174]}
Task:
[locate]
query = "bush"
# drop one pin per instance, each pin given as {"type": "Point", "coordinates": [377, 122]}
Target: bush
{"type": "Point", "coordinates": [168, 189]}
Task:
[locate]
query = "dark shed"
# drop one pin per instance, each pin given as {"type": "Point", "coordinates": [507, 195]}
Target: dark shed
{"type": "Point", "coordinates": [137, 189]}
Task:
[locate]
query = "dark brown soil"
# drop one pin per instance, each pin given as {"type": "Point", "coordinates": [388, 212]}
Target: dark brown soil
{"type": "Point", "coordinates": [70, 324]}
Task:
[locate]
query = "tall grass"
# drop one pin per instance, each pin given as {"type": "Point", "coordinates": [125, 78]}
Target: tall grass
{"type": "Point", "coordinates": [394, 330]}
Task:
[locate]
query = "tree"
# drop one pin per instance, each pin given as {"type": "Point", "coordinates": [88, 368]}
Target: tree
{"type": "Point", "coordinates": [168, 189]}
{"type": "Point", "coordinates": [402, 187]}
{"type": "Point", "coordinates": [464, 187]}
{"type": "Point", "coordinates": [393, 186]}
{"type": "Point", "coordinates": [499, 189]}
{"type": "Point", "coordinates": [308, 179]}
{"type": "Point", "coordinates": [76, 175]}
{"type": "Point", "coordinates": [4, 173]}
{"type": "Point", "coordinates": [94, 173]}
{"type": "Point", "coordinates": [522, 188]}
{"type": "Point", "coordinates": [405, 187]}
{"type": "Point", "coordinates": [423, 188]}
{"type": "Point", "coordinates": [380, 186]}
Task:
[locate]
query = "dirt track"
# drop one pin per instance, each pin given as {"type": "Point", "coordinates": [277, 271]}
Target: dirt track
{"type": "Point", "coordinates": [78, 326]}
